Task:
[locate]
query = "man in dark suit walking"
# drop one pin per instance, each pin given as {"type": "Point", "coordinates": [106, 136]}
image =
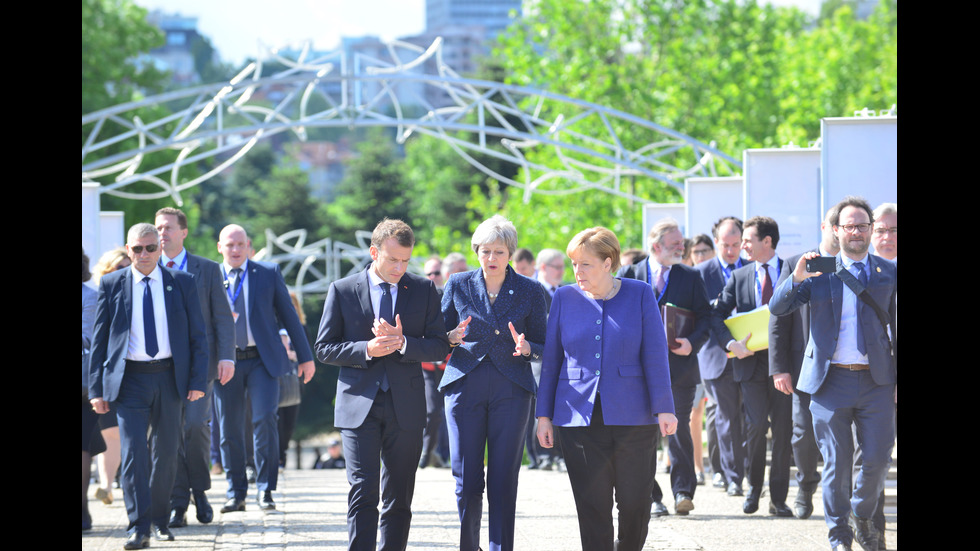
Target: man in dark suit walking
{"type": "Point", "coordinates": [260, 303]}
{"type": "Point", "coordinates": [724, 412]}
{"type": "Point", "coordinates": [788, 336]}
{"type": "Point", "coordinates": [680, 285]}
{"type": "Point", "coordinates": [849, 370]}
{"type": "Point", "coordinates": [751, 287]}
{"type": "Point", "coordinates": [378, 326]}
{"type": "Point", "coordinates": [193, 457]}
{"type": "Point", "coordinates": [149, 351]}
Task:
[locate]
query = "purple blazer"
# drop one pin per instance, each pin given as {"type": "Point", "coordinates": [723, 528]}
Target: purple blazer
{"type": "Point", "coordinates": [618, 350]}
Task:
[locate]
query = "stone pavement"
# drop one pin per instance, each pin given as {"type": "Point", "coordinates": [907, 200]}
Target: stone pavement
{"type": "Point", "coordinates": [312, 505]}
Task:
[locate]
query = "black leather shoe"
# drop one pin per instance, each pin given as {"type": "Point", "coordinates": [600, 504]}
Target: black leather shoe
{"type": "Point", "coordinates": [803, 506]}
{"type": "Point", "coordinates": [265, 501]}
{"type": "Point", "coordinates": [137, 541]}
{"type": "Point", "coordinates": [734, 489]}
{"type": "Point", "coordinates": [250, 474]}
{"type": "Point", "coordinates": [779, 509]}
{"type": "Point", "coordinates": [205, 513]}
{"type": "Point", "coordinates": [864, 533]}
{"type": "Point", "coordinates": [751, 504]}
{"type": "Point", "coordinates": [178, 518]}
{"type": "Point", "coordinates": [233, 505]}
{"type": "Point", "coordinates": [841, 547]}
{"type": "Point", "coordinates": [683, 503]}
{"type": "Point", "coordinates": [659, 510]}
{"type": "Point", "coordinates": [162, 533]}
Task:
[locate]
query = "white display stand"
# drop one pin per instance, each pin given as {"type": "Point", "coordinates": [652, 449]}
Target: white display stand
{"type": "Point", "coordinates": [859, 157]}
{"type": "Point", "coordinates": [784, 184]}
{"type": "Point", "coordinates": [709, 199]}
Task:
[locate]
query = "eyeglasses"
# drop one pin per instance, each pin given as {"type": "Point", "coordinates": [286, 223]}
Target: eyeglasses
{"type": "Point", "coordinates": [430, 274]}
{"type": "Point", "coordinates": [138, 249]}
{"type": "Point", "coordinates": [883, 231]}
{"type": "Point", "coordinates": [556, 266]}
{"type": "Point", "coordinates": [851, 228]}
{"type": "Point", "coordinates": [701, 252]}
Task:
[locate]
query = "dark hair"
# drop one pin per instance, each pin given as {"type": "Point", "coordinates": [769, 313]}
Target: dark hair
{"type": "Point", "coordinates": [181, 217]}
{"type": "Point", "coordinates": [523, 255]}
{"type": "Point", "coordinates": [388, 229]}
{"type": "Point", "coordinates": [702, 238]}
{"type": "Point", "coordinates": [850, 201]}
{"type": "Point", "coordinates": [722, 220]}
{"type": "Point", "coordinates": [764, 227]}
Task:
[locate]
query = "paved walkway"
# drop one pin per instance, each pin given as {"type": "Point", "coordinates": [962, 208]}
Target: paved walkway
{"type": "Point", "coordinates": [312, 505]}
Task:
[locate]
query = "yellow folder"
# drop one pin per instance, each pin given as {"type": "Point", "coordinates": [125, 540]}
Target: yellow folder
{"type": "Point", "coordinates": [755, 322]}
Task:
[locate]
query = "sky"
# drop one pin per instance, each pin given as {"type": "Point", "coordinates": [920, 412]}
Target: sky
{"type": "Point", "coordinates": [236, 27]}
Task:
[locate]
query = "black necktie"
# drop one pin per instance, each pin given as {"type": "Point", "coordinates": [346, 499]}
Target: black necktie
{"type": "Point", "coordinates": [385, 313]}
{"type": "Point", "coordinates": [863, 278]}
{"type": "Point", "coordinates": [149, 324]}
{"type": "Point", "coordinates": [241, 327]}
{"type": "Point", "coordinates": [766, 286]}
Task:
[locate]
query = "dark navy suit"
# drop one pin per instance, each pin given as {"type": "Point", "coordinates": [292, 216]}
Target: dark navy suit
{"type": "Point", "coordinates": [840, 396]}
{"type": "Point", "coordinates": [489, 393]}
{"type": "Point", "coordinates": [685, 289]}
{"type": "Point", "coordinates": [267, 306]}
{"type": "Point", "coordinates": [788, 336]}
{"type": "Point", "coordinates": [380, 424]}
{"type": "Point", "coordinates": [718, 376]}
{"type": "Point", "coordinates": [148, 399]}
{"type": "Point", "coordinates": [760, 400]}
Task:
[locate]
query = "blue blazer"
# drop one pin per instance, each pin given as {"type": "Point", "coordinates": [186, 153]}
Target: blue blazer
{"type": "Point", "coordinates": [218, 322]}
{"type": "Point", "coordinates": [269, 308]}
{"type": "Point", "coordinates": [824, 294]}
{"type": "Point", "coordinates": [113, 319]}
{"type": "Point", "coordinates": [619, 351]}
{"type": "Point", "coordinates": [712, 358]}
{"type": "Point", "coordinates": [346, 328]}
{"type": "Point", "coordinates": [521, 301]}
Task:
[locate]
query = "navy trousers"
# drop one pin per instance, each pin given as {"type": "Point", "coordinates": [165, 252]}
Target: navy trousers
{"type": "Point", "coordinates": [148, 410]}
{"type": "Point", "coordinates": [263, 392]}
{"type": "Point", "coordinates": [848, 397]}
{"type": "Point", "coordinates": [486, 413]}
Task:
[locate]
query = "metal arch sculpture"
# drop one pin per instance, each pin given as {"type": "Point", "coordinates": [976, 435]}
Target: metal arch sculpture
{"type": "Point", "coordinates": [224, 121]}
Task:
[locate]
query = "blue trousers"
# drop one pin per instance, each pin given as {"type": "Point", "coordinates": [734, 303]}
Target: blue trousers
{"type": "Point", "coordinates": [848, 397]}
{"type": "Point", "coordinates": [148, 410]}
{"type": "Point", "coordinates": [486, 413]}
{"type": "Point", "coordinates": [263, 392]}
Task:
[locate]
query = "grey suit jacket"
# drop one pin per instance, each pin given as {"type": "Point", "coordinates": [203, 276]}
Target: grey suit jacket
{"type": "Point", "coordinates": [825, 294]}
{"type": "Point", "coordinates": [216, 311]}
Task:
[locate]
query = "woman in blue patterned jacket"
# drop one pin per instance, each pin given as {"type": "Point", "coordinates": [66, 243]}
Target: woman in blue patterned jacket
{"type": "Point", "coordinates": [498, 326]}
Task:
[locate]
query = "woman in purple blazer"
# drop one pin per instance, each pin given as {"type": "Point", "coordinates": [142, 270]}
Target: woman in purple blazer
{"type": "Point", "coordinates": [605, 383]}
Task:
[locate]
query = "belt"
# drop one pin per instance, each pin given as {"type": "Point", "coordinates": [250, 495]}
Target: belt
{"type": "Point", "coordinates": [853, 367]}
{"type": "Point", "coordinates": [152, 366]}
{"type": "Point", "coordinates": [250, 352]}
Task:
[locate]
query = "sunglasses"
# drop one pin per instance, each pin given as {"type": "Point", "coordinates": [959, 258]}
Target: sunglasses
{"type": "Point", "coordinates": [138, 249]}
{"type": "Point", "coordinates": [433, 273]}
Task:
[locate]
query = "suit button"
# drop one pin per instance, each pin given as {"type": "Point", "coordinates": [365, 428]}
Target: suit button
{"type": "Point", "coordinates": [377, 383]}
{"type": "Point", "coordinates": [597, 354]}
{"type": "Point", "coordinates": [596, 372]}
{"type": "Point", "coordinates": [496, 331]}
{"type": "Point", "coordinates": [597, 337]}
{"type": "Point", "coordinates": [598, 321]}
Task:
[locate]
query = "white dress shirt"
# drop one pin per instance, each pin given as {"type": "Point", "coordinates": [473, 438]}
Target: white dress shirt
{"type": "Point", "coordinates": [376, 293]}
{"type": "Point", "coordinates": [137, 342]}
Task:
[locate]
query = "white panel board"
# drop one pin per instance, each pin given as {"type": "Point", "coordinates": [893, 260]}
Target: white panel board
{"type": "Point", "coordinates": [860, 157]}
{"type": "Point", "coordinates": [709, 199]}
{"type": "Point", "coordinates": [784, 184]}
{"type": "Point", "coordinates": [652, 212]}
{"type": "Point", "coordinates": [112, 232]}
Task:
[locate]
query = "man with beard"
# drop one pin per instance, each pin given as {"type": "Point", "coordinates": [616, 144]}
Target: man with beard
{"type": "Point", "coordinates": [849, 370]}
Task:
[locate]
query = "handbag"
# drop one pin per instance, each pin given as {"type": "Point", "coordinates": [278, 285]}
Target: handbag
{"type": "Point", "coordinates": [289, 389]}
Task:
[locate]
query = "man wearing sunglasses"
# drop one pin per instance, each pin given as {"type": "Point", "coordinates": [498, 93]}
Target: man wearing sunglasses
{"type": "Point", "coordinates": [149, 353]}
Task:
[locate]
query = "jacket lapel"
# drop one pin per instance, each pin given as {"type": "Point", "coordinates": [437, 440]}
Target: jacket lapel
{"type": "Point", "coordinates": [127, 296]}
{"type": "Point", "coordinates": [363, 289]}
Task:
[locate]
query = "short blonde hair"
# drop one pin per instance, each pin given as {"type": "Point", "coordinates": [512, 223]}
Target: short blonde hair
{"type": "Point", "coordinates": [599, 241]}
{"type": "Point", "coordinates": [496, 228]}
